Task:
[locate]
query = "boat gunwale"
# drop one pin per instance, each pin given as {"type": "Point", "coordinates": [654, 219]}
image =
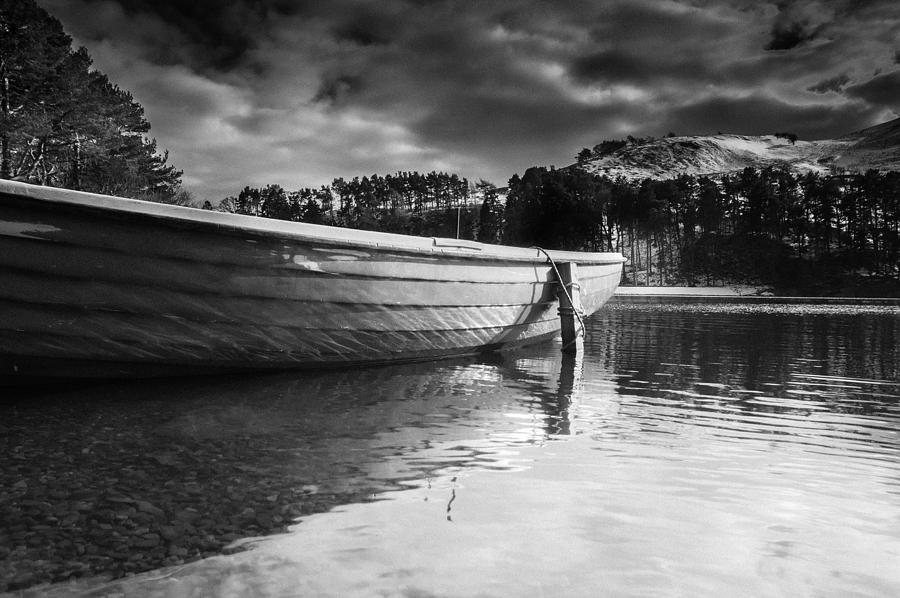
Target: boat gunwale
{"type": "Point", "coordinates": [223, 222]}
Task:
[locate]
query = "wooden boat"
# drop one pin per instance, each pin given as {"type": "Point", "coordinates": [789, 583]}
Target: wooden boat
{"type": "Point", "coordinates": [99, 286]}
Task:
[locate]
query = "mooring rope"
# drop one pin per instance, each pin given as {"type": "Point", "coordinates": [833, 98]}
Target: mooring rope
{"type": "Point", "coordinates": [564, 288]}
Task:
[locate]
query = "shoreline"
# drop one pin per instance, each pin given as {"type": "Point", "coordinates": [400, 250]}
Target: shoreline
{"type": "Point", "coordinates": [732, 295]}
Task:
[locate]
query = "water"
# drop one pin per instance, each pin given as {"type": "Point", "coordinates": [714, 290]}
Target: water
{"type": "Point", "coordinates": [689, 451]}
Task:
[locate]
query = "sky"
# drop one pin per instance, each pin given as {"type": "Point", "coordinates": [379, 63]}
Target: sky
{"type": "Point", "coordinates": [299, 92]}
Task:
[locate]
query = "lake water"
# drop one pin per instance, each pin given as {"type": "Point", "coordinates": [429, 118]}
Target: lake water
{"type": "Point", "coordinates": [689, 450]}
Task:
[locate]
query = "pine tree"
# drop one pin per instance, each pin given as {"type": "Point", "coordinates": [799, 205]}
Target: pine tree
{"type": "Point", "coordinates": [490, 220]}
{"type": "Point", "coordinates": [64, 124]}
{"type": "Point", "coordinates": [33, 52]}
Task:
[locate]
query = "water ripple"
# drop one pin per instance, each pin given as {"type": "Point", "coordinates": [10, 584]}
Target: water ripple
{"type": "Point", "coordinates": [689, 451]}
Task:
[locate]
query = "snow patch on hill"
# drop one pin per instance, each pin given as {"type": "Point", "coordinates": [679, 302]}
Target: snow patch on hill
{"type": "Point", "coordinates": [877, 147]}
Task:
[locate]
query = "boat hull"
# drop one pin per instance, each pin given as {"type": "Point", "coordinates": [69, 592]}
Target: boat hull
{"type": "Point", "coordinates": [92, 286]}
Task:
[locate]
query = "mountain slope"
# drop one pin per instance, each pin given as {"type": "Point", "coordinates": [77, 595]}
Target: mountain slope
{"type": "Point", "coordinates": [877, 147]}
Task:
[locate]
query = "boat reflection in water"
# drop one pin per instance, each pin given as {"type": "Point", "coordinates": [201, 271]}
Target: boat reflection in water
{"type": "Point", "coordinates": [137, 477]}
{"type": "Point", "coordinates": [702, 451]}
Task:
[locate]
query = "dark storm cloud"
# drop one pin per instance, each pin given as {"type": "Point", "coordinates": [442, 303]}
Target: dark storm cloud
{"type": "Point", "coordinates": [799, 22]}
{"type": "Point", "coordinates": [365, 28]}
{"type": "Point", "coordinates": [212, 33]}
{"type": "Point", "coordinates": [883, 90]}
{"type": "Point", "coordinates": [299, 92]}
{"type": "Point", "coordinates": [503, 122]}
{"type": "Point", "coordinates": [618, 66]}
{"type": "Point", "coordinates": [762, 115]}
{"type": "Point", "coordinates": [788, 35]}
{"type": "Point", "coordinates": [655, 23]}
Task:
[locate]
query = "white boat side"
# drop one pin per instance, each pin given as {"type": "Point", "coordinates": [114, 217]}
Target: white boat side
{"type": "Point", "coordinates": [102, 286]}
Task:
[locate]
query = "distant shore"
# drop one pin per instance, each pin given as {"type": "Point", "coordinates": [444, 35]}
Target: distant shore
{"type": "Point", "coordinates": [738, 294]}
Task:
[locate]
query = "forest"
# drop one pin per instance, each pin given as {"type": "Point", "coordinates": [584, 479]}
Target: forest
{"type": "Point", "coordinates": [797, 233]}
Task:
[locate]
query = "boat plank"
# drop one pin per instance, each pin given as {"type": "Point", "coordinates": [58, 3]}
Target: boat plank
{"type": "Point", "coordinates": [108, 335]}
{"type": "Point", "coordinates": [209, 308]}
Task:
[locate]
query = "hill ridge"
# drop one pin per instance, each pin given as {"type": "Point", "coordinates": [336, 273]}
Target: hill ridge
{"type": "Point", "coordinates": [876, 147]}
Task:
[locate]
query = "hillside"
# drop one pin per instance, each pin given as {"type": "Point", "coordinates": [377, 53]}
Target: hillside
{"type": "Point", "coordinates": [877, 147]}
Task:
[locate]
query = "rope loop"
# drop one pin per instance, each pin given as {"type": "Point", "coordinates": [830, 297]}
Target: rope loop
{"type": "Point", "coordinates": [565, 290]}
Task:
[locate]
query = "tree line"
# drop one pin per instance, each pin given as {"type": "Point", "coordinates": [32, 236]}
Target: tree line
{"type": "Point", "coordinates": [431, 204]}
{"type": "Point", "coordinates": [65, 124]}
